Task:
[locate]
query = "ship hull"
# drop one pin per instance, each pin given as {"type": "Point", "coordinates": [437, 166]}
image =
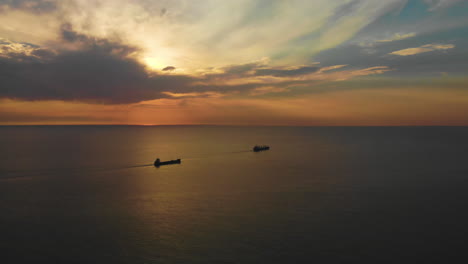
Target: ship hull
{"type": "Point", "coordinates": [170, 162]}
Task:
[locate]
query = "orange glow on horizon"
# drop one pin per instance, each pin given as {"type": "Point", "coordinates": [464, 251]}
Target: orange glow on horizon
{"type": "Point", "coordinates": [347, 108]}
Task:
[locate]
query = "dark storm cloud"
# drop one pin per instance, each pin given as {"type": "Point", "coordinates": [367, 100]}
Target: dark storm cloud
{"type": "Point", "coordinates": [34, 6]}
{"type": "Point", "coordinates": [43, 53]}
{"type": "Point", "coordinates": [169, 68]}
{"type": "Point", "coordinates": [100, 71]}
{"type": "Point", "coordinates": [93, 43]}
{"type": "Point", "coordinates": [68, 34]}
{"type": "Point", "coordinates": [105, 71]}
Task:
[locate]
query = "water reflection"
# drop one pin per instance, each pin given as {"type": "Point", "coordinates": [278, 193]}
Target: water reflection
{"type": "Point", "coordinates": [319, 194]}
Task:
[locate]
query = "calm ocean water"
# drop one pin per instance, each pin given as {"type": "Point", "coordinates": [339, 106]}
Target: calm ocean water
{"type": "Point", "coordinates": [84, 194]}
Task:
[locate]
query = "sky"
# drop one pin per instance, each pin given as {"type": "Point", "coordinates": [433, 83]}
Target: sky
{"type": "Point", "coordinates": [239, 62]}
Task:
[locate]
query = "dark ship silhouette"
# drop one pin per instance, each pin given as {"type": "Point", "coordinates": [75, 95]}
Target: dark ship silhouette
{"type": "Point", "coordinates": [261, 148]}
{"type": "Point", "coordinates": [158, 162]}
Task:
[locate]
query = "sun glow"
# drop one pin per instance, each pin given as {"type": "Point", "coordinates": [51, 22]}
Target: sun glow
{"type": "Point", "coordinates": [154, 63]}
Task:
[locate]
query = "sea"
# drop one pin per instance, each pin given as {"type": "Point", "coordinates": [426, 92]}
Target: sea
{"type": "Point", "coordinates": [90, 194]}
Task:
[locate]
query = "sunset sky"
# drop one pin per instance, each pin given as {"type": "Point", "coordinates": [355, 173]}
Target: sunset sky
{"type": "Point", "coordinates": [239, 62]}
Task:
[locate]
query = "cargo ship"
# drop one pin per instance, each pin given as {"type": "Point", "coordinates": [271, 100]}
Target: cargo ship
{"type": "Point", "coordinates": [261, 148]}
{"type": "Point", "coordinates": [158, 162]}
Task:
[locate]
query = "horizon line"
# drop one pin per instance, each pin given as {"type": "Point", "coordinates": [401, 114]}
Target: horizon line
{"type": "Point", "coordinates": [223, 125]}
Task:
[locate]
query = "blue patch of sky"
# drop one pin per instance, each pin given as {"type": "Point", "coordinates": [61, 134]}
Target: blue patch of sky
{"type": "Point", "coordinates": [451, 61]}
{"type": "Point", "coordinates": [414, 10]}
{"type": "Point", "coordinates": [458, 10]}
{"type": "Point", "coordinates": [392, 22]}
{"type": "Point", "coordinates": [395, 22]}
{"type": "Point", "coordinates": [409, 19]}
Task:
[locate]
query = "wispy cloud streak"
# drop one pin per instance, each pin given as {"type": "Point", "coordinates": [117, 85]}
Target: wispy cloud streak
{"type": "Point", "coordinates": [422, 49]}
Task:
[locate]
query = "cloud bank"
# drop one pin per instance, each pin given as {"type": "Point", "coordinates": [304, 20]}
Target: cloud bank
{"type": "Point", "coordinates": [104, 71]}
{"type": "Point", "coordinates": [94, 70]}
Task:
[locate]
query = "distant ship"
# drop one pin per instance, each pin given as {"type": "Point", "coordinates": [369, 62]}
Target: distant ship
{"type": "Point", "coordinates": [158, 162]}
{"type": "Point", "coordinates": [260, 148]}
